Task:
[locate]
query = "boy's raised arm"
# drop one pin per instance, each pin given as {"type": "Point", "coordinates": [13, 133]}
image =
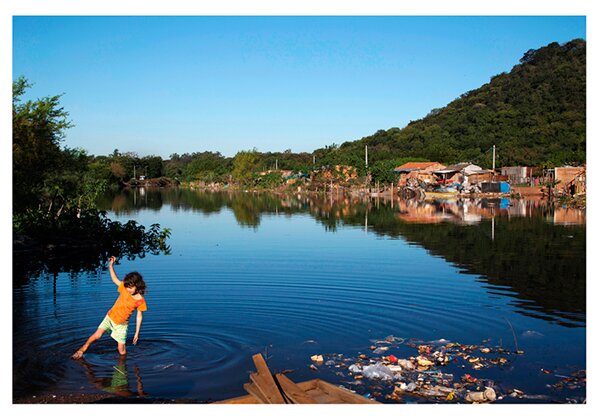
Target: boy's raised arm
{"type": "Point", "coordinates": [113, 275]}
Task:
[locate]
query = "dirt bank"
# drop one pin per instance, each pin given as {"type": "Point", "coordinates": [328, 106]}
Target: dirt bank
{"type": "Point", "coordinates": [98, 398]}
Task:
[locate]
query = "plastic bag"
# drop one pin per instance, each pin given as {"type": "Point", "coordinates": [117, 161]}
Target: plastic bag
{"type": "Point", "coordinates": [378, 371]}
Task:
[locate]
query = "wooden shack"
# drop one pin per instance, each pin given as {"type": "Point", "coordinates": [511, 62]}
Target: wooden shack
{"type": "Point", "coordinates": [570, 179]}
{"type": "Point", "coordinates": [422, 171]}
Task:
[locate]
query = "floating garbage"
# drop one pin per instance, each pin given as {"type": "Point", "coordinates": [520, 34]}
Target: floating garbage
{"type": "Point", "coordinates": [438, 371]}
{"type": "Point", "coordinates": [576, 380]}
{"type": "Point", "coordinates": [317, 359]}
{"type": "Point", "coordinates": [355, 369]}
{"type": "Point", "coordinates": [378, 371]}
{"type": "Point", "coordinates": [488, 395]}
{"type": "Point", "coordinates": [532, 334]}
{"type": "Point", "coordinates": [170, 366]}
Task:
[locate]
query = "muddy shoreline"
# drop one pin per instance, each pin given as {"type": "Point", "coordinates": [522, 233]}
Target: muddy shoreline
{"type": "Point", "coordinates": [96, 398]}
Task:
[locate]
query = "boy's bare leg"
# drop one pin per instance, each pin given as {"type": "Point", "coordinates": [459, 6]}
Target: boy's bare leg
{"type": "Point", "coordinates": [121, 348]}
{"type": "Point", "coordinates": [95, 337]}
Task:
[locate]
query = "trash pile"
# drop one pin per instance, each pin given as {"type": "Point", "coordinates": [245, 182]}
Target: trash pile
{"type": "Point", "coordinates": [574, 381]}
{"type": "Point", "coordinates": [439, 371]}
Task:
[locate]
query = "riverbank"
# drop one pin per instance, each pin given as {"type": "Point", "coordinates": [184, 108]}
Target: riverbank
{"type": "Point", "coordinates": [577, 202]}
{"type": "Point", "coordinates": [96, 398]}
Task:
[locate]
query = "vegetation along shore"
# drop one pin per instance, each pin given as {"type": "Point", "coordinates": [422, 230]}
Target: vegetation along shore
{"type": "Point", "coordinates": [532, 116]}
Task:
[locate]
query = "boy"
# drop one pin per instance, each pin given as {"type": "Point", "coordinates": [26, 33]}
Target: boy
{"type": "Point", "coordinates": [131, 290]}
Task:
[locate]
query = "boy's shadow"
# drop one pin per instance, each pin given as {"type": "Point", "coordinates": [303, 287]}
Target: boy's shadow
{"type": "Point", "coordinates": [118, 383]}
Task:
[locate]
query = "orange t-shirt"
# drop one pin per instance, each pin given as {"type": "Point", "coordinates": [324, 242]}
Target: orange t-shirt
{"type": "Point", "coordinates": [124, 306]}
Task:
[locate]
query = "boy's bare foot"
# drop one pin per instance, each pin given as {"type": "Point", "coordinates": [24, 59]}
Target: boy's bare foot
{"type": "Point", "coordinates": [78, 354]}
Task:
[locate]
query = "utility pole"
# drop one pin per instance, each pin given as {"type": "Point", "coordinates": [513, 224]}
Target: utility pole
{"type": "Point", "coordinates": [366, 157]}
{"type": "Point", "coordinates": [494, 158]}
{"type": "Point", "coordinates": [276, 164]}
{"type": "Point", "coordinates": [313, 161]}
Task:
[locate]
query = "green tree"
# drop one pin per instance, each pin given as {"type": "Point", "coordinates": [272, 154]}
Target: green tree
{"type": "Point", "coordinates": [246, 164]}
{"type": "Point", "coordinates": [38, 128]}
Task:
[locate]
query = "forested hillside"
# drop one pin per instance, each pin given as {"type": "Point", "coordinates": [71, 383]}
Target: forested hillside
{"type": "Point", "coordinates": [535, 115]}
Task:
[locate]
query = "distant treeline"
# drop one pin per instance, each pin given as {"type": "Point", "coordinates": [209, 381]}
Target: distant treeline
{"type": "Point", "coordinates": [534, 115]}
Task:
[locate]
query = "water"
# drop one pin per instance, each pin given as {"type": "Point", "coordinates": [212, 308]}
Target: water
{"type": "Point", "coordinates": [293, 276]}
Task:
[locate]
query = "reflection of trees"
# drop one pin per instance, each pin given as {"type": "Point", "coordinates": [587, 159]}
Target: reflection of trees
{"type": "Point", "coordinates": [539, 260]}
{"type": "Point", "coordinates": [131, 200]}
{"type": "Point", "coordinates": [87, 253]}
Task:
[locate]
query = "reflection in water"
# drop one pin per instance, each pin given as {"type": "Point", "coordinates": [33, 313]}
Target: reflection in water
{"type": "Point", "coordinates": [248, 206]}
{"type": "Point", "coordinates": [118, 382]}
{"type": "Point", "coordinates": [339, 271]}
{"type": "Point", "coordinates": [510, 243]}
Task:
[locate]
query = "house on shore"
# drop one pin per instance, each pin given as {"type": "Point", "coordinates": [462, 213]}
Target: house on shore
{"type": "Point", "coordinates": [458, 173]}
{"type": "Point", "coordinates": [570, 179]}
{"type": "Point", "coordinates": [520, 174]}
{"type": "Point", "coordinates": [421, 171]}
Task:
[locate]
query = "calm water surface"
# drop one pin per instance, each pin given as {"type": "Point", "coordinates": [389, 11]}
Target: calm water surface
{"type": "Point", "coordinates": [295, 276]}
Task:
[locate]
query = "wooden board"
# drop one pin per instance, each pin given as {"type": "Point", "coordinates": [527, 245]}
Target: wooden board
{"type": "Point", "coordinates": [267, 387]}
{"type": "Point", "coordinates": [248, 399]}
{"type": "Point", "coordinates": [264, 381]}
{"type": "Point", "coordinates": [342, 395]}
{"type": "Point", "coordinates": [264, 388]}
{"type": "Point", "coordinates": [318, 391]}
{"type": "Point", "coordinates": [254, 392]}
{"type": "Point", "coordinates": [292, 392]}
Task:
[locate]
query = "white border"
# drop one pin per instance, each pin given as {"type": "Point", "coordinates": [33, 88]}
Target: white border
{"type": "Point", "coordinates": [10, 8]}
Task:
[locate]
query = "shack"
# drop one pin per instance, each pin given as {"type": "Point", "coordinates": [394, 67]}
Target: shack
{"type": "Point", "coordinates": [421, 171]}
{"type": "Point", "coordinates": [520, 174]}
{"type": "Point", "coordinates": [458, 173]}
{"type": "Point", "coordinates": [570, 179]}
{"type": "Point", "coordinates": [495, 187]}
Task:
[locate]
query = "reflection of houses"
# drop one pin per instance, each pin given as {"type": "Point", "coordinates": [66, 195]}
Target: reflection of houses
{"type": "Point", "coordinates": [456, 211]}
{"type": "Point", "coordinates": [569, 216]}
{"type": "Point", "coordinates": [419, 213]}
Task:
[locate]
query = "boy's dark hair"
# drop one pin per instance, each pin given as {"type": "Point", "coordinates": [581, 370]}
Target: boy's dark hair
{"type": "Point", "coordinates": [135, 279]}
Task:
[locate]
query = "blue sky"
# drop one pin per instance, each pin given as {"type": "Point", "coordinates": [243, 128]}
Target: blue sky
{"type": "Point", "coordinates": [162, 85]}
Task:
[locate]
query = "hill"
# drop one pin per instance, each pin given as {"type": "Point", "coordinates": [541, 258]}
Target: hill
{"type": "Point", "coordinates": [535, 115]}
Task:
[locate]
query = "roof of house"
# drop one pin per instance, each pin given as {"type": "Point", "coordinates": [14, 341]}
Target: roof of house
{"type": "Point", "coordinates": [417, 165]}
{"type": "Point", "coordinates": [459, 167]}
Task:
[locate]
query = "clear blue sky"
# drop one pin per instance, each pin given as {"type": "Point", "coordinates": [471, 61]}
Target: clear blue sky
{"type": "Point", "coordinates": [162, 85]}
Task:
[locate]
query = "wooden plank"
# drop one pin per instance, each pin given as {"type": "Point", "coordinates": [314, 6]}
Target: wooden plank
{"type": "Point", "coordinates": [248, 399]}
{"type": "Point", "coordinates": [321, 397]}
{"type": "Point", "coordinates": [261, 364]}
{"type": "Point", "coordinates": [253, 390]}
{"type": "Point", "coordinates": [343, 396]}
{"type": "Point", "coordinates": [307, 385]}
{"type": "Point", "coordinates": [264, 381]}
{"type": "Point", "coordinates": [293, 392]}
{"type": "Point", "coordinates": [266, 385]}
